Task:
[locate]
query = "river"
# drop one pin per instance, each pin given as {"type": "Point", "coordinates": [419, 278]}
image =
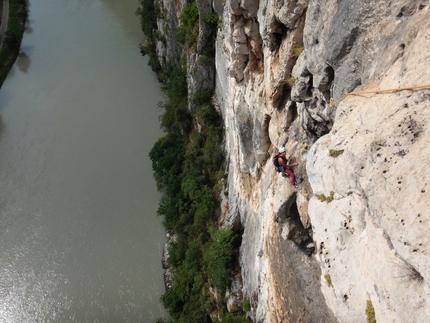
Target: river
{"type": "Point", "coordinates": [79, 237]}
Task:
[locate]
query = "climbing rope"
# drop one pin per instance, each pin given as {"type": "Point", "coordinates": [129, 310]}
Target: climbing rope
{"type": "Point", "coordinates": [333, 103]}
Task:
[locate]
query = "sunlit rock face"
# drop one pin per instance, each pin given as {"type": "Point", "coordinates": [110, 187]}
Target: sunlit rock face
{"type": "Point", "coordinates": [359, 219]}
{"type": "Point", "coordinates": [373, 236]}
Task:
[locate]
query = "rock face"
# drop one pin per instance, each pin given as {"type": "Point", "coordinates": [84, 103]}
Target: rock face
{"type": "Point", "coordinates": [375, 228]}
{"type": "Point", "coordinates": [278, 63]}
{"type": "Point", "coordinates": [355, 232]}
{"type": "Point", "coordinates": [169, 271]}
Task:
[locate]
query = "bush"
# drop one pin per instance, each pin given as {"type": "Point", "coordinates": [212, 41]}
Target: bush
{"type": "Point", "coordinates": [148, 16]}
{"type": "Point", "coordinates": [195, 310]}
{"type": "Point", "coordinates": [161, 320]}
{"type": "Point", "coordinates": [167, 207]}
{"type": "Point", "coordinates": [370, 312]}
{"type": "Point", "coordinates": [218, 257]}
{"type": "Point", "coordinates": [324, 198]}
{"type": "Point", "coordinates": [13, 36]}
{"type": "Point", "coordinates": [328, 280]}
{"type": "Point", "coordinates": [188, 32]}
{"type": "Point", "coordinates": [188, 175]}
{"type": "Point", "coordinates": [177, 251]}
{"type": "Point", "coordinates": [298, 48]}
{"type": "Point", "coordinates": [335, 153]}
{"type": "Point", "coordinates": [173, 303]}
{"type": "Point", "coordinates": [166, 156]}
{"type": "Point", "coordinates": [233, 318]}
{"type": "Point", "coordinates": [206, 205]}
{"type": "Point", "coordinates": [208, 114]}
{"type": "Point", "coordinates": [202, 97]}
{"type": "Point", "coordinates": [246, 305]}
{"type": "Point", "coordinates": [213, 153]}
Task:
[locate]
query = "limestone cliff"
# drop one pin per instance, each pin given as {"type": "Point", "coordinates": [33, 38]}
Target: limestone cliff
{"type": "Point", "coordinates": [355, 232]}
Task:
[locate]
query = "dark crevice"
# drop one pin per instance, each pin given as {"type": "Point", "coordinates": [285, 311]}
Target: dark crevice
{"type": "Point", "coordinates": [328, 79]}
{"type": "Point", "coordinates": [291, 114]}
{"type": "Point", "coordinates": [311, 86]}
{"type": "Point", "coordinates": [314, 128]}
{"type": "Point", "coordinates": [279, 36]}
{"type": "Point", "coordinates": [264, 137]}
{"type": "Point", "coordinates": [282, 97]}
{"type": "Point", "coordinates": [288, 214]}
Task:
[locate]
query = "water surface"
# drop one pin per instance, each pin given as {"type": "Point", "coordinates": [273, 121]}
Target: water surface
{"type": "Point", "coordinates": [79, 238]}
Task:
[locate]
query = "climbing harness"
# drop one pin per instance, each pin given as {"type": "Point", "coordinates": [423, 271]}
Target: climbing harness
{"type": "Point", "coordinates": [333, 103]}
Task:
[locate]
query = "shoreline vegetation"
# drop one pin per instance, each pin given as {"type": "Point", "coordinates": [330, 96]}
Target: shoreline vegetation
{"type": "Point", "coordinates": [11, 45]}
{"type": "Point", "coordinates": [188, 164]}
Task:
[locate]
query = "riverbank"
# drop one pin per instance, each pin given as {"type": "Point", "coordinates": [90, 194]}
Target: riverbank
{"type": "Point", "coordinates": [12, 37]}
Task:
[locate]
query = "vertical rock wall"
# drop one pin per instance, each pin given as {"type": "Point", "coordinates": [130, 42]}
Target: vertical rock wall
{"type": "Point", "coordinates": [277, 64]}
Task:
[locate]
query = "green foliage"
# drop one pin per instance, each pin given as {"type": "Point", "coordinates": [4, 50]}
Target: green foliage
{"type": "Point", "coordinates": [158, 35]}
{"type": "Point", "coordinates": [177, 251]}
{"type": "Point", "coordinates": [206, 205]}
{"type": "Point", "coordinates": [207, 113]}
{"type": "Point", "coordinates": [187, 165]}
{"type": "Point", "coordinates": [264, 11]}
{"type": "Point", "coordinates": [324, 198]}
{"type": "Point", "coordinates": [234, 318]}
{"type": "Point", "coordinates": [173, 303]}
{"type": "Point", "coordinates": [205, 109]}
{"type": "Point", "coordinates": [188, 32]}
{"type": "Point", "coordinates": [167, 155]}
{"type": "Point", "coordinates": [246, 305]}
{"type": "Point", "coordinates": [213, 154]}
{"type": "Point", "coordinates": [167, 208]}
{"type": "Point", "coordinates": [176, 118]}
{"type": "Point", "coordinates": [190, 16]}
{"type": "Point", "coordinates": [335, 153]}
{"type": "Point", "coordinates": [298, 48]}
{"type": "Point", "coordinates": [148, 16]}
{"type": "Point", "coordinates": [202, 97]}
{"type": "Point", "coordinates": [195, 310]}
{"type": "Point", "coordinates": [183, 281]}
{"type": "Point", "coordinates": [148, 12]}
{"type": "Point", "coordinates": [16, 24]}
{"type": "Point", "coordinates": [370, 312]}
{"type": "Point", "coordinates": [328, 280]}
{"type": "Point", "coordinates": [218, 257]}
{"type": "Point", "coordinates": [13, 36]}
{"type": "Point", "coordinates": [162, 320]}
{"type": "Point", "coordinates": [212, 20]}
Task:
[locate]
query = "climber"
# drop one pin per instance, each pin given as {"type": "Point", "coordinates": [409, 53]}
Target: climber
{"type": "Point", "coordinates": [280, 162]}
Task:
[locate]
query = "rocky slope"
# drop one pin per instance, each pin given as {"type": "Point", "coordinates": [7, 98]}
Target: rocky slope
{"type": "Point", "coordinates": [354, 233]}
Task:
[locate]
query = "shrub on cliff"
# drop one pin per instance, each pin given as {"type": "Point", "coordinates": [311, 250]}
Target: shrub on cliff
{"type": "Point", "coordinates": [147, 12]}
{"type": "Point", "coordinates": [218, 257]}
{"type": "Point", "coordinates": [13, 36]}
{"type": "Point", "coordinates": [234, 318]}
{"type": "Point", "coordinates": [188, 32]}
{"type": "Point", "coordinates": [167, 155]}
{"type": "Point", "coordinates": [188, 166]}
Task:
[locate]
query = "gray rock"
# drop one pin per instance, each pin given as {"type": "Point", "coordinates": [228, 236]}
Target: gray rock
{"type": "Point", "coordinates": [234, 295]}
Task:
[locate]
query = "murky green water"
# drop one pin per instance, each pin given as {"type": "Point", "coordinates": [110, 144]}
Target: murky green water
{"type": "Point", "coordinates": [79, 238]}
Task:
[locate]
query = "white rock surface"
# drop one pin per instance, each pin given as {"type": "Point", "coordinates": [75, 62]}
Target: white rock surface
{"type": "Point", "coordinates": [376, 245]}
{"type": "Point", "coordinates": [372, 238]}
